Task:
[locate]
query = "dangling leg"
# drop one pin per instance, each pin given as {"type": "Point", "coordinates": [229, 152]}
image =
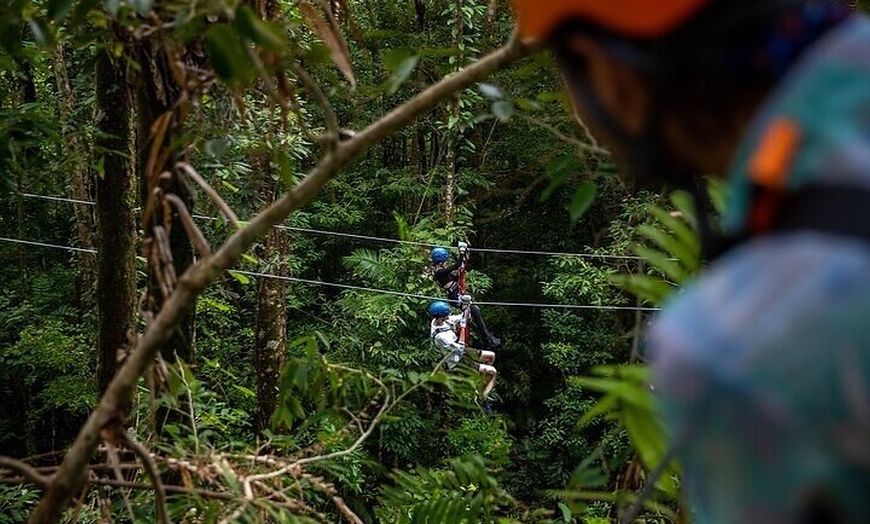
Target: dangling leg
{"type": "Point", "coordinates": [489, 372]}
{"type": "Point", "coordinates": [489, 339]}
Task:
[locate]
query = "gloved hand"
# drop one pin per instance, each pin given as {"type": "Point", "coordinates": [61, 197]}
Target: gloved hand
{"type": "Point", "coordinates": [463, 248]}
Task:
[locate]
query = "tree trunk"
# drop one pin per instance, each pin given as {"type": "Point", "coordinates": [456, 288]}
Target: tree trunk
{"type": "Point", "coordinates": [116, 225]}
{"type": "Point", "coordinates": [80, 183]}
{"type": "Point", "coordinates": [453, 132]}
{"type": "Point", "coordinates": [271, 324]}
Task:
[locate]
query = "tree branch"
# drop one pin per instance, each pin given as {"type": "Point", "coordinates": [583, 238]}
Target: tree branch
{"type": "Point", "coordinates": [71, 475]}
{"type": "Point", "coordinates": [26, 470]}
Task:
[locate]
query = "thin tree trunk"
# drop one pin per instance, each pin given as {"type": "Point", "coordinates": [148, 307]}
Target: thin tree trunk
{"type": "Point", "coordinates": [28, 90]}
{"type": "Point", "coordinates": [80, 182]}
{"type": "Point", "coordinates": [271, 325]}
{"type": "Point", "coordinates": [116, 225]}
{"type": "Point", "coordinates": [453, 112]}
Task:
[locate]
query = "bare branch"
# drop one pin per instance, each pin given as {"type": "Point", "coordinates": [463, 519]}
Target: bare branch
{"type": "Point", "coordinates": [25, 469]}
{"type": "Point", "coordinates": [583, 146]}
{"type": "Point", "coordinates": [331, 119]}
{"type": "Point", "coordinates": [71, 475]}
{"type": "Point", "coordinates": [346, 511]}
{"type": "Point", "coordinates": [213, 195]}
{"type": "Point", "coordinates": [193, 232]}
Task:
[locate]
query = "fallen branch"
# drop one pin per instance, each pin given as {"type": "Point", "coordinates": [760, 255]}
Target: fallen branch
{"type": "Point", "coordinates": [71, 475]}
{"type": "Point", "coordinates": [26, 470]}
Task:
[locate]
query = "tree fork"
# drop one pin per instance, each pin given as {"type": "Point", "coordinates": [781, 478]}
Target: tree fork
{"type": "Point", "coordinates": [72, 473]}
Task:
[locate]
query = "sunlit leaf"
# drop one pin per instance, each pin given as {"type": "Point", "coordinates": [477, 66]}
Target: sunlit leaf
{"type": "Point", "coordinates": [243, 279]}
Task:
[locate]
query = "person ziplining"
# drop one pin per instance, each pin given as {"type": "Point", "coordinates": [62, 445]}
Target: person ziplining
{"type": "Point", "coordinates": [451, 278]}
{"type": "Point", "coordinates": [450, 333]}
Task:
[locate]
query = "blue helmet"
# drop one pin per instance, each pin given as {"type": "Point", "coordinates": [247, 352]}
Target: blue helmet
{"type": "Point", "coordinates": [439, 308]}
{"type": "Point", "coordinates": [439, 254]}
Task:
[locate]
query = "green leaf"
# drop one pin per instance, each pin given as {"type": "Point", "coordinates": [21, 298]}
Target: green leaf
{"type": "Point", "coordinates": [527, 104]}
{"type": "Point", "coordinates": [685, 204]}
{"type": "Point", "coordinates": [652, 289]}
{"type": "Point", "coordinates": [56, 9]}
{"type": "Point", "coordinates": [243, 279]}
{"type": "Point", "coordinates": [318, 54]}
{"type": "Point", "coordinates": [229, 55]}
{"type": "Point", "coordinates": [679, 227]}
{"type": "Point", "coordinates": [503, 110]}
{"type": "Point", "coordinates": [582, 200]}
{"type": "Point", "coordinates": [669, 267]}
{"type": "Point", "coordinates": [671, 245]}
{"type": "Point", "coordinates": [559, 170]}
{"type": "Point", "coordinates": [490, 91]}
{"type": "Point", "coordinates": [42, 32]}
{"type": "Point", "coordinates": [257, 31]}
{"type": "Point", "coordinates": [245, 391]}
{"type": "Point", "coordinates": [401, 62]}
{"type": "Point", "coordinates": [567, 516]}
{"type": "Point", "coordinates": [604, 406]}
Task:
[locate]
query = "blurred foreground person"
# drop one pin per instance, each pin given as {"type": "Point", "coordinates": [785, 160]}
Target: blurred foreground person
{"type": "Point", "coordinates": [762, 365]}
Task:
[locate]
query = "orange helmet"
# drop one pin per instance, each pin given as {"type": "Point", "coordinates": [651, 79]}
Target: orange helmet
{"type": "Point", "coordinates": [637, 18]}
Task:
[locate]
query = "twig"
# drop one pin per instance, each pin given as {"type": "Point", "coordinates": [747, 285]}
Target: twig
{"type": "Point", "coordinates": [583, 146]}
{"type": "Point", "coordinates": [151, 468]}
{"type": "Point", "coordinates": [69, 478]}
{"type": "Point", "coordinates": [213, 195]}
{"type": "Point", "coordinates": [331, 119]}
{"type": "Point", "coordinates": [26, 470]}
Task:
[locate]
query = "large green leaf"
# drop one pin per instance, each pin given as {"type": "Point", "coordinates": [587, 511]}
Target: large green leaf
{"type": "Point", "coordinates": [230, 56]}
{"type": "Point", "coordinates": [582, 200]}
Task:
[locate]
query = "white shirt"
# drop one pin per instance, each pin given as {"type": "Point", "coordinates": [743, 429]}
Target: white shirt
{"type": "Point", "coordinates": [445, 336]}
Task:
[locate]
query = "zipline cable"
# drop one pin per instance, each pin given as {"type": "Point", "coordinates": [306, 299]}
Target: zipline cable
{"type": "Point", "coordinates": [363, 288]}
{"type": "Point", "coordinates": [592, 256]}
{"type": "Point", "coordinates": [53, 246]}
